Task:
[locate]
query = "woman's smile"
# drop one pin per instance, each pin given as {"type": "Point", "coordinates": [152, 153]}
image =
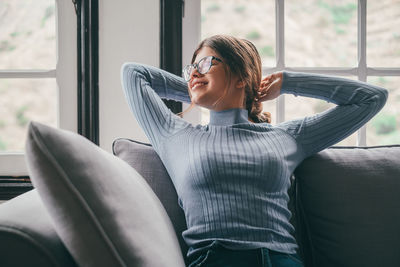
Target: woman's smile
{"type": "Point", "coordinates": [198, 83]}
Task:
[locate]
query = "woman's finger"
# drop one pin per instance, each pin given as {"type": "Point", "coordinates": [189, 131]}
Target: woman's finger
{"type": "Point", "coordinates": [266, 79]}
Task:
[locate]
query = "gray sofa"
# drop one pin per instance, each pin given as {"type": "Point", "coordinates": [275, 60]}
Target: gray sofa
{"type": "Point", "coordinates": [345, 204]}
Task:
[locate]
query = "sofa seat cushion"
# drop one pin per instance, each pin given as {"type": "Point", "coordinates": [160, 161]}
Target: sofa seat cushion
{"type": "Point", "coordinates": [27, 235]}
{"type": "Point", "coordinates": [102, 209]}
{"type": "Point", "coordinates": [349, 200]}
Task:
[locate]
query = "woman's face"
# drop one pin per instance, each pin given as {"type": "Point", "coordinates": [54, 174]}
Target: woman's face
{"type": "Point", "coordinates": [206, 89]}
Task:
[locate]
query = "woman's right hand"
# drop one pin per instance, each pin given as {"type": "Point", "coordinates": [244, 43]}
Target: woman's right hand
{"type": "Point", "coordinates": [270, 87]}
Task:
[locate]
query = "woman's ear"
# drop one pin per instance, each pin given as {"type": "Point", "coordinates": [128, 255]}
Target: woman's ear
{"type": "Point", "coordinates": [240, 84]}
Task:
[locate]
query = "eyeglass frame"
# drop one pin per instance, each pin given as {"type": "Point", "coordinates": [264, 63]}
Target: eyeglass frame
{"type": "Point", "coordinates": [196, 66]}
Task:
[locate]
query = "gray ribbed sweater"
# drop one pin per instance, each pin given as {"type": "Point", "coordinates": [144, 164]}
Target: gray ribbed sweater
{"type": "Point", "coordinates": [232, 175]}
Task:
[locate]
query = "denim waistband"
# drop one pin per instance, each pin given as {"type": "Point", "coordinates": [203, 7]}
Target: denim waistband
{"type": "Point", "coordinates": [262, 257]}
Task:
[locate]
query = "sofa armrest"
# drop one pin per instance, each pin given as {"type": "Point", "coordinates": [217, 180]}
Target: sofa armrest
{"type": "Point", "coordinates": [27, 236]}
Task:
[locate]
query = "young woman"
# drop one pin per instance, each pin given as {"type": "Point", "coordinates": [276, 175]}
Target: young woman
{"type": "Point", "coordinates": [232, 175]}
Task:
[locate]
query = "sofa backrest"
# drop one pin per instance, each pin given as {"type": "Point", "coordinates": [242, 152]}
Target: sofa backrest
{"type": "Point", "coordinates": [348, 205]}
{"type": "Point", "coordinates": [143, 158]}
{"type": "Point", "coordinates": [345, 202]}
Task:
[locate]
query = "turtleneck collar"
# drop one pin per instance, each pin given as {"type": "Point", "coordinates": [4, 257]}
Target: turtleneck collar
{"type": "Point", "coordinates": [228, 116]}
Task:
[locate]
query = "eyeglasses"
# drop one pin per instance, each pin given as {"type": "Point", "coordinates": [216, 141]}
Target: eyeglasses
{"type": "Point", "coordinates": [202, 67]}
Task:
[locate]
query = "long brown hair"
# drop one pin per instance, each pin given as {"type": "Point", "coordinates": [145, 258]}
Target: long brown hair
{"type": "Point", "coordinates": [242, 59]}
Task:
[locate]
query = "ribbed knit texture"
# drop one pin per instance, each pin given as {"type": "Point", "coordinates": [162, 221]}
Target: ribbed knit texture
{"type": "Point", "coordinates": [232, 175]}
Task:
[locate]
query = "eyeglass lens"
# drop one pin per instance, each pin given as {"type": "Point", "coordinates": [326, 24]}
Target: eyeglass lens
{"type": "Point", "coordinates": [203, 67]}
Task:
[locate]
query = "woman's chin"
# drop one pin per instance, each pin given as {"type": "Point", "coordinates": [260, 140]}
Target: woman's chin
{"type": "Point", "coordinates": [199, 102]}
{"type": "Point", "coordinates": [201, 99]}
{"type": "Point", "coordinates": [195, 99]}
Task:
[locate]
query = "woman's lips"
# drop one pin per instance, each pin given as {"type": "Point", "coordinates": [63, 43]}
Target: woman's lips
{"type": "Point", "coordinates": [197, 85]}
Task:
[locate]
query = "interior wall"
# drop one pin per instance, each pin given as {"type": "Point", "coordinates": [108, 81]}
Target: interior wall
{"type": "Point", "coordinates": [191, 30]}
{"type": "Point", "coordinates": [128, 32]}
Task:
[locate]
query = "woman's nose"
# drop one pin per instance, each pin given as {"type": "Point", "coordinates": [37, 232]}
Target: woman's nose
{"type": "Point", "coordinates": [194, 73]}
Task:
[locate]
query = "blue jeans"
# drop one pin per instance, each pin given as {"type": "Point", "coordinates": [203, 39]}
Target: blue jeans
{"type": "Point", "coordinates": [218, 256]}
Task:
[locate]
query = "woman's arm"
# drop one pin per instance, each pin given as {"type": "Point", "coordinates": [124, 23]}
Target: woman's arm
{"type": "Point", "coordinates": [143, 86]}
{"type": "Point", "coordinates": [357, 102]}
{"type": "Point", "coordinates": [165, 84]}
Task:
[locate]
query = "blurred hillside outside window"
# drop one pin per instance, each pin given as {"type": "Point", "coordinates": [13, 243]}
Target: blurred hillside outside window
{"type": "Point", "coordinates": [31, 74]}
{"type": "Point", "coordinates": [348, 38]}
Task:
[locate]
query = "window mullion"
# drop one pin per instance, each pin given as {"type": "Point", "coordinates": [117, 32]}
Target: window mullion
{"type": "Point", "coordinates": [362, 40]}
{"type": "Point", "coordinates": [383, 71]}
{"type": "Point", "coordinates": [326, 70]}
{"type": "Point", "coordinates": [13, 74]}
{"type": "Point", "coordinates": [280, 54]}
{"type": "Point", "coordinates": [362, 59]}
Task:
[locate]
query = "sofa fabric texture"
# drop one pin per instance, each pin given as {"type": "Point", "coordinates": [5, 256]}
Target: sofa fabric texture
{"type": "Point", "coordinates": [143, 158]}
{"type": "Point", "coordinates": [347, 206]}
{"type": "Point", "coordinates": [349, 201]}
{"type": "Point", "coordinates": [103, 210]}
{"type": "Point", "coordinates": [27, 235]}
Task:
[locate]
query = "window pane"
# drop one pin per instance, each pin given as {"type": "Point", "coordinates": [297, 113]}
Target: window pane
{"type": "Point", "coordinates": [383, 33]}
{"type": "Point", "coordinates": [250, 19]}
{"type": "Point", "coordinates": [27, 34]}
{"type": "Point", "coordinates": [270, 106]}
{"type": "Point", "coordinates": [321, 33]}
{"type": "Point", "coordinates": [22, 100]}
{"type": "Point", "coordinates": [300, 107]}
{"type": "Point", "coordinates": [384, 128]}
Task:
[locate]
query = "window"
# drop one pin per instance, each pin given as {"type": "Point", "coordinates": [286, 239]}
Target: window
{"type": "Point", "coordinates": [37, 73]}
{"type": "Point", "coordinates": [349, 38]}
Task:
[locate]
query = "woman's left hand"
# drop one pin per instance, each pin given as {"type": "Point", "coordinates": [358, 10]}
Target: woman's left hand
{"type": "Point", "coordinates": [270, 87]}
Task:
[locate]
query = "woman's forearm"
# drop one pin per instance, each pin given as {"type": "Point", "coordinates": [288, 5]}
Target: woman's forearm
{"type": "Point", "coordinates": [165, 84]}
{"type": "Point", "coordinates": [357, 103]}
{"type": "Point", "coordinates": [333, 89]}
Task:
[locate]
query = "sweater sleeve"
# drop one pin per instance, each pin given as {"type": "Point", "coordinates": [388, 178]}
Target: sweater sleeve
{"type": "Point", "coordinates": [143, 87]}
{"type": "Point", "coordinates": [357, 102]}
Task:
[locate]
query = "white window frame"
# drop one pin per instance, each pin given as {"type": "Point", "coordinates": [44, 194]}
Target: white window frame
{"type": "Point", "coordinates": [192, 32]}
{"type": "Point", "coordinates": [13, 164]}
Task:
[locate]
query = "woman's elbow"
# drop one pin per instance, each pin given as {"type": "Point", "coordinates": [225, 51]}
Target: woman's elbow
{"type": "Point", "coordinates": [381, 97]}
{"type": "Point", "coordinates": [129, 67]}
{"type": "Point", "coordinates": [125, 68]}
{"type": "Point", "coordinates": [384, 94]}
{"type": "Point", "coordinates": [129, 70]}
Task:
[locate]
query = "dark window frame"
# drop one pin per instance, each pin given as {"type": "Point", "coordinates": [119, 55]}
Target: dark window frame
{"type": "Point", "coordinates": [87, 12]}
{"type": "Point", "coordinates": [12, 186]}
{"type": "Point", "coordinates": [171, 13]}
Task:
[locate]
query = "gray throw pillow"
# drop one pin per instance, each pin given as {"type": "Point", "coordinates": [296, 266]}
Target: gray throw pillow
{"type": "Point", "coordinates": [144, 159]}
{"type": "Point", "coordinates": [349, 201]}
{"type": "Point", "coordinates": [102, 209]}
